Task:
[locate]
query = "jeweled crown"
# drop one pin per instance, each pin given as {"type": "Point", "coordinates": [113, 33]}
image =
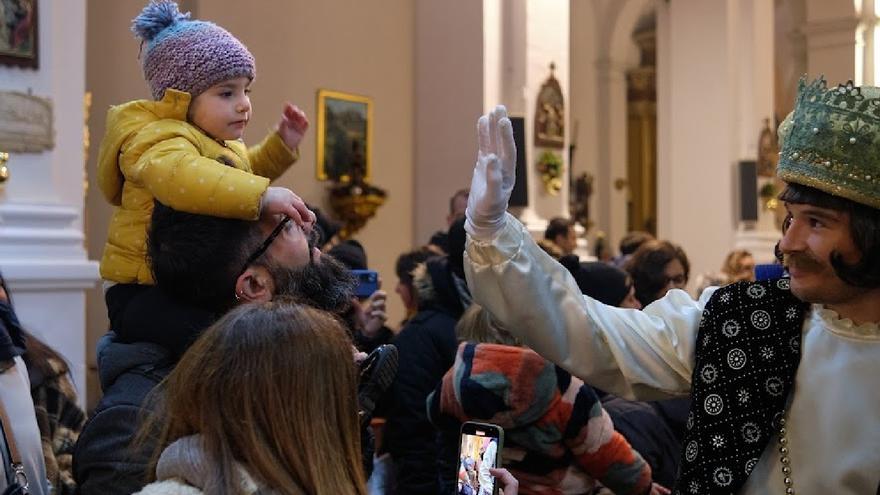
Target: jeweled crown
{"type": "Point", "coordinates": [831, 141]}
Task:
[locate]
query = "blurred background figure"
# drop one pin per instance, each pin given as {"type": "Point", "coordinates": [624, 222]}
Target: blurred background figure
{"type": "Point", "coordinates": [404, 267]}
{"type": "Point", "coordinates": [560, 231]}
{"type": "Point", "coordinates": [605, 283]}
{"type": "Point", "coordinates": [657, 267]}
{"type": "Point", "coordinates": [628, 245]}
{"type": "Point", "coordinates": [738, 266]}
{"type": "Point", "coordinates": [439, 242]}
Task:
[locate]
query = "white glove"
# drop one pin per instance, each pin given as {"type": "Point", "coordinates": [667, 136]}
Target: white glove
{"type": "Point", "coordinates": [494, 175]}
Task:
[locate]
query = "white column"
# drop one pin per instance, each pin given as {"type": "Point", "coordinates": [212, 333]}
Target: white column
{"type": "Point", "coordinates": [752, 33]}
{"type": "Point", "coordinates": [536, 34]}
{"type": "Point", "coordinates": [41, 235]}
{"type": "Point", "coordinates": [831, 39]}
{"type": "Point", "coordinates": [696, 168]}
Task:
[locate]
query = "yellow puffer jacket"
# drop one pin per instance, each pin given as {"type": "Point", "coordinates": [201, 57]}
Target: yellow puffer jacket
{"type": "Point", "coordinates": [150, 151]}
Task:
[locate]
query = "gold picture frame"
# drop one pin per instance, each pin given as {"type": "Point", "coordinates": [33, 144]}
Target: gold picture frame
{"type": "Point", "coordinates": [345, 136]}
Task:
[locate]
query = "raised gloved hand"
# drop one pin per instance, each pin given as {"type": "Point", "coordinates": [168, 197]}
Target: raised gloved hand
{"type": "Point", "coordinates": [494, 175]}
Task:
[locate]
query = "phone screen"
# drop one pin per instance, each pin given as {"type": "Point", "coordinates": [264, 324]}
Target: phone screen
{"type": "Point", "coordinates": [477, 453]}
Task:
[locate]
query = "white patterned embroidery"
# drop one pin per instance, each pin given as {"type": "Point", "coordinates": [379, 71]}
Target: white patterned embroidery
{"type": "Point", "coordinates": [713, 404]}
{"type": "Point", "coordinates": [725, 298]}
{"type": "Point", "coordinates": [736, 359]}
{"type": "Point", "coordinates": [743, 396]}
{"type": "Point", "coordinates": [690, 421]}
{"type": "Point", "coordinates": [690, 453]}
{"type": "Point", "coordinates": [722, 476]}
{"type": "Point", "coordinates": [693, 487]}
{"type": "Point", "coordinates": [750, 465]}
{"type": "Point", "coordinates": [791, 313]}
{"type": "Point", "coordinates": [773, 385]}
{"type": "Point", "coordinates": [717, 441]}
{"type": "Point", "coordinates": [756, 291]}
{"type": "Point", "coordinates": [751, 432]}
{"type": "Point", "coordinates": [708, 373]}
{"type": "Point", "coordinates": [761, 319]}
{"type": "Point", "coordinates": [730, 328]}
{"type": "Point", "coordinates": [767, 352]}
{"type": "Point", "coordinates": [706, 340]}
{"type": "Point", "coordinates": [795, 344]}
{"type": "Point", "coordinates": [783, 284]}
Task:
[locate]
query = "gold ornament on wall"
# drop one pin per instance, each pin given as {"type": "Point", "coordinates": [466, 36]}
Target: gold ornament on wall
{"type": "Point", "coordinates": [768, 151]}
{"type": "Point", "coordinates": [550, 168]}
{"type": "Point", "coordinates": [550, 114]}
{"type": "Point", "coordinates": [4, 170]}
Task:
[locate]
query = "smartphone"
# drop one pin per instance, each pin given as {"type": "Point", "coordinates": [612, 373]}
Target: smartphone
{"type": "Point", "coordinates": [479, 449]}
{"type": "Point", "coordinates": [367, 282]}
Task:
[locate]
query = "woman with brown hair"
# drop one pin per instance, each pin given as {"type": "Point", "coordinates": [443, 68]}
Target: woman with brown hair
{"type": "Point", "coordinates": [263, 402]}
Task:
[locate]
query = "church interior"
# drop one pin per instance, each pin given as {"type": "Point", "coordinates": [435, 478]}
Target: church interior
{"type": "Point", "coordinates": [654, 115]}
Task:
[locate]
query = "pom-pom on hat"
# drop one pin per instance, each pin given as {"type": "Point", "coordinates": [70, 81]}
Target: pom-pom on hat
{"type": "Point", "coordinates": [187, 55]}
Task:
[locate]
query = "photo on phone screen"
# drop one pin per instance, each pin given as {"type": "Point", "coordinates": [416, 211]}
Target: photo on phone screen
{"type": "Point", "coordinates": [479, 450]}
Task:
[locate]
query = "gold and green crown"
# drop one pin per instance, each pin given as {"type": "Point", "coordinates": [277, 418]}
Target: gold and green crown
{"type": "Point", "coordinates": [831, 141]}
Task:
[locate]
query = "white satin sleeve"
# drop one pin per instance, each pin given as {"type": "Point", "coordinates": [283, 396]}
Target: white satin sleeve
{"type": "Point", "coordinates": [642, 355]}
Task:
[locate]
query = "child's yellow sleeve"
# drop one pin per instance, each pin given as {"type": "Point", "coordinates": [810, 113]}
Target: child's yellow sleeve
{"type": "Point", "coordinates": [177, 175]}
{"type": "Point", "coordinates": [271, 157]}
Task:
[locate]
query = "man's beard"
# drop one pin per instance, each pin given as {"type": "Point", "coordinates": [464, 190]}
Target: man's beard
{"type": "Point", "coordinates": [327, 285]}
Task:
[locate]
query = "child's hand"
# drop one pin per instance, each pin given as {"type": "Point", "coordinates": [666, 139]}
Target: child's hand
{"type": "Point", "coordinates": [281, 200]}
{"type": "Point", "coordinates": [293, 125]}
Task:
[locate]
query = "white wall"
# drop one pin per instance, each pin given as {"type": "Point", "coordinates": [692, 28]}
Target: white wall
{"type": "Point", "coordinates": [449, 89]}
{"type": "Point", "coordinates": [41, 239]}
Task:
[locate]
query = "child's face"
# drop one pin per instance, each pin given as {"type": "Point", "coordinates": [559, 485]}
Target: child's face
{"type": "Point", "coordinates": [223, 110]}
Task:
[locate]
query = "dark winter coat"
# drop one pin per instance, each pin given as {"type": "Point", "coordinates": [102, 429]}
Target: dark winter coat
{"type": "Point", "coordinates": [426, 346]}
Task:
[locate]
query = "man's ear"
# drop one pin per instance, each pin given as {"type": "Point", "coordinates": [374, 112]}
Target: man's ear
{"type": "Point", "coordinates": [254, 285]}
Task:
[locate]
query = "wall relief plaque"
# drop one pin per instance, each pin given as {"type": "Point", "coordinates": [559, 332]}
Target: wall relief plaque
{"type": "Point", "coordinates": [26, 123]}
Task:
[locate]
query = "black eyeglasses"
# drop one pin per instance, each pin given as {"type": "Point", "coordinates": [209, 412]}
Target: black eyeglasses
{"type": "Point", "coordinates": [265, 245]}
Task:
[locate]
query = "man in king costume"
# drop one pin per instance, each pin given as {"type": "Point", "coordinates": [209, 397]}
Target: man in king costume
{"type": "Point", "coordinates": [783, 373]}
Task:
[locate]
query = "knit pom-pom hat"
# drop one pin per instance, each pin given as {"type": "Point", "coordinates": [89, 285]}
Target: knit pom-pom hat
{"type": "Point", "coordinates": [187, 55]}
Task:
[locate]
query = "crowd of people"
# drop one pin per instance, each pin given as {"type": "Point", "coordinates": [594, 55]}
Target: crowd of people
{"type": "Point", "coordinates": [240, 358]}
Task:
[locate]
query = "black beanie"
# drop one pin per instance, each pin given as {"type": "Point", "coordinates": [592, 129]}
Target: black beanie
{"type": "Point", "coordinates": [602, 282]}
{"type": "Point", "coordinates": [351, 254]}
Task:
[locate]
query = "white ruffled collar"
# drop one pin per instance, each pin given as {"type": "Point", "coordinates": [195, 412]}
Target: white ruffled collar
{"type": "Point", "coordinates": [829, 319]}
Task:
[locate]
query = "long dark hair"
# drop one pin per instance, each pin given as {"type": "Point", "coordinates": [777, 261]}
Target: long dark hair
{"type": "Point", "coordinates": [864, 224]}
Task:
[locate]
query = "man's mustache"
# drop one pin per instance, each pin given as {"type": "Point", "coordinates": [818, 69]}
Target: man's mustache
{"type": "Point", "coordinates": [801, 261]}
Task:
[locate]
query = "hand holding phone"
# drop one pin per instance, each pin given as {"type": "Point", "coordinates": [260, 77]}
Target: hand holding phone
{"type": "Point", "coordinates": [367, 282]}
{"type": "Point", "coordinates": [479, 451]}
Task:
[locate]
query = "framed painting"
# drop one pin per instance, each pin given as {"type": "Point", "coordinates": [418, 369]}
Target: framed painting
{"type": "Point", "coordinates": [18, 33]}
{"type": "Point", "coordinates": [345, 134]}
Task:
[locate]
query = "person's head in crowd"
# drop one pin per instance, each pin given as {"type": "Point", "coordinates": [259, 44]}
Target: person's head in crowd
{"type": "Point", "coordinates": [628, 245]}
{"type": "Point", "coordinates": [404, 267]}
{"type": "Point", "coordinates": [633, 240]}
{"type": "Point", "coordinates": [350, 253]}
{"type": "Point", "coordinates": [605, 283]}
{"type": "Point", "coordinates": [477, 325]}
{"type": "Point", "coordinates": [830, 245]}
{"type": "Point", "coordinates": [561, 232]}
{"type": "Point", "coordinates": [214, 263]}
{"type": "Point", "coordinates": [328, 229]}
{"type": "Point", "coordinates": [739, 266]}
{"type": "Point", "coordinates": [656, 267]}
{"type": "Point", "coordinates": [550, 248]}
{"type": "Point", "coordinates": [457, 205]}
{"type": "Point", "coordinates": [284, 371]}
